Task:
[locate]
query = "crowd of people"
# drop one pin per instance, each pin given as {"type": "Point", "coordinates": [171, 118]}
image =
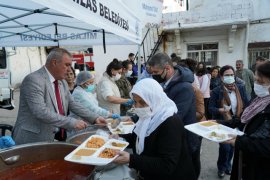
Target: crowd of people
{"type": "Point", "coordinates": [170, 93]}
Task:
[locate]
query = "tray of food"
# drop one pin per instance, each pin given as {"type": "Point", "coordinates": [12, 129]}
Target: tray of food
{"type": "Point", "coordinates": [96, 150]}
{"type": "Point", "coordinates": [124, 127]}
{"type": "Point", "coordinates": [213, 131]}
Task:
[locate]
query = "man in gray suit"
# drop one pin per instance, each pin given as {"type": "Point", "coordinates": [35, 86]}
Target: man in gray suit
{"type": "Point", "coordinates": [39, 114]}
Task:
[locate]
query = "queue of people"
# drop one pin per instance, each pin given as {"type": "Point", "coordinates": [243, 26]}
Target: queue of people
{"type": "Point", "coordinates": [227, 101]}
{"type": "Point", "coordinates": [252, 150]}
{"type": "Point", "coordinates": [172, 93]}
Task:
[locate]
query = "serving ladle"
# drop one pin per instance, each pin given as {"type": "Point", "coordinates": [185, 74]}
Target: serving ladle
{"type": "Point", "coordinates": [10, 160]}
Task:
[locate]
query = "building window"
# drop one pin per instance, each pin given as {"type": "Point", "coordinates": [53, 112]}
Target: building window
{"type": "Point", "coordinates": [257, 49]}
{"type": "Point", "coordinates": [204, 52]}
{"type": "Point", "coordinates": [253, 54]}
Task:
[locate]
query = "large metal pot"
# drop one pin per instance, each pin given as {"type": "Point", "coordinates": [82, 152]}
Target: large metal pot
{"type": "Point", "coordinates": [78, 137]}
{"type": "Point", "coordinates": [35, 153]}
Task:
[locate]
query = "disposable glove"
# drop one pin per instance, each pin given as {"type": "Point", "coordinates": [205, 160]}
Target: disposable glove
{"type": "Point", "coordinates": [116, 116]}
{"type": "Point", "coordinates": [130, 102]}
{"type": "Point", "coordinates": [6, 141]}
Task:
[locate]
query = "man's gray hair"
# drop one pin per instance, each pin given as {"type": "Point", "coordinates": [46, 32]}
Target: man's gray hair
{"type": "Point", "coordinates": [159, 60]}
{"type": "Point", "coordinates": [240, 61]}
{"type": "Point", "coordinates": [57, 53]}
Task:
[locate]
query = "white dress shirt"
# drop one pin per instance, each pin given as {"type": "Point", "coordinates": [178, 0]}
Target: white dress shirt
{"type": "Point", "coordinates": [232, 96]}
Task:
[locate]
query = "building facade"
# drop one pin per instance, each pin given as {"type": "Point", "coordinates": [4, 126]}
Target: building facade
{"type": "Point", "coordinates": [219, 33]}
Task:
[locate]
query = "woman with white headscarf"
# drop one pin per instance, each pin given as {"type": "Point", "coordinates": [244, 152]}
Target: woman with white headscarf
{"type": "Point", "coordinates": [158, 140]}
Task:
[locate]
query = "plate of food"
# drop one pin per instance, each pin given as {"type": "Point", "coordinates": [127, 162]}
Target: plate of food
{"type": "Point", "coordinates": [96, 150]}
{"type": "Point", "coordinates": [213, 131]}
{"type": "Point", "coordinates": [124, 127]}
{"type": "Point", "coordinates": [208, 123]}
{"type": "Point", "coordinates": [217, 136]}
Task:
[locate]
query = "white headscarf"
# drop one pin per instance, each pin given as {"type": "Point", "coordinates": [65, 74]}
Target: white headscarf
{"type": "Point", "coordinates": [162, 107]}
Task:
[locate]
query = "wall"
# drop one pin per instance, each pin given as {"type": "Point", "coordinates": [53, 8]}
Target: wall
{"type": "Point", "coordinates": [259, 32]}
{"type": "Point", "coordinates": [23, 61]}
{"type": "Point", "coordinates": [213, 35]}
{"type": "Point", "coordinates": [261, 9]}
{"type": "Point", "coordinates": [206, 13]}
{"type": "Point", "coordinates": [204, 18]}
{"type": "Point", "coordinates": [225, 57]}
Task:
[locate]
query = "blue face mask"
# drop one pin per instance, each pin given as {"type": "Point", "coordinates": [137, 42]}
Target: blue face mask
{"type": "Point", "coordinates": [90, 88]}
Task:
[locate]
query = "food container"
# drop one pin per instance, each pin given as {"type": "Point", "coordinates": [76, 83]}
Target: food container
{"type": "Point", "coordinates": [80, 136]}
{"type": "Point", "coordinates": [213, 131]}
{"type": "Point", "coordinates": [96, 150]}
{"type": "Point", "coordinates": [123, 128]}
{"type": "Point", "coordinates": [41, 161]}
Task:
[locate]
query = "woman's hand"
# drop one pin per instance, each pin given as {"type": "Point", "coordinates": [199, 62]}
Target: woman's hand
{"type": "Point", "coordinates": [116, 116]}
{"type": "Point", "coordinates": [123, 157]}
{"type": "Point", "coordinates": [231, 141]}
{"type": "Point", "coordinates": [223, 110]}
{"type": "Point", "coordinates": [129, 102]}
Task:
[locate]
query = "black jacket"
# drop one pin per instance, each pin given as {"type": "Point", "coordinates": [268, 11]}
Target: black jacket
{"type": "Point", "coordinates": [181, 92]}
{"type": "Point", "coordinates": [165, 154]}
{"type": "Point", "coordinates": [255, 149]}
{"type": "Point", "coordinates": [216, 99]}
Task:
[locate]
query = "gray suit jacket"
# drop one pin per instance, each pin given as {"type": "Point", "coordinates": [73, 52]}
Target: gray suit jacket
{"type": "Point", "coordinates": [37, 117]}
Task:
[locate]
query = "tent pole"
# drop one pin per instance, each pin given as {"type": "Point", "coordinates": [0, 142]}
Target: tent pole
{"type": "Point", "coordinates": [104, 42]}
{"type": "Point", "coordinates": [139, 61]}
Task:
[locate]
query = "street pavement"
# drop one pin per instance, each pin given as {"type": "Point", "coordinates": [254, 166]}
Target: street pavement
{"type": "Point", "coordinates": [209, 151]}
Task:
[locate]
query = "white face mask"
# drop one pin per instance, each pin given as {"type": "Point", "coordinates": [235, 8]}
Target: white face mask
{"type": "Point", "coordinates": [260, 90]}
{"type": "Point", "coordinates": [128, 74]}
{"type": "Point", "coordinates": [144, 113]}
{"type": "Point", "coordinates": [228, 79]}
{"type": "Point", "coordinates": [116, 77]}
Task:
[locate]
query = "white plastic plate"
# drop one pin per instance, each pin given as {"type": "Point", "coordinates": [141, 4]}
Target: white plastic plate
{"type": "Point", "coordinates": [94, 159]}
{"type": "Point", "coordinates": [213, 131]}
{"type": "Point", "coordinates": [125, 127]}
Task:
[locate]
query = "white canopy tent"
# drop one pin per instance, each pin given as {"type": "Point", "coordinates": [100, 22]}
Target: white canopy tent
{"type": "Point", "coordinates": [51, 23]}
{"type": "Point", "coordinates": [28, 23]}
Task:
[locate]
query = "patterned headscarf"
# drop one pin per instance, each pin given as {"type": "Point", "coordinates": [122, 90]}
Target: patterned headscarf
{"type": "Point", "coordinates": [256, 106]}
